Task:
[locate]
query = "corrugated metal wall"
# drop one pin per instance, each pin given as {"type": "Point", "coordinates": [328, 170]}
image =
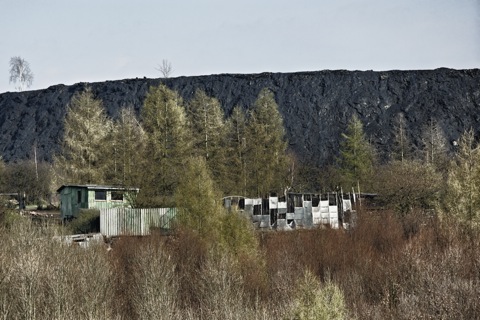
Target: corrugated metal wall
{"type": "Point", "coordinates": [134, 222]}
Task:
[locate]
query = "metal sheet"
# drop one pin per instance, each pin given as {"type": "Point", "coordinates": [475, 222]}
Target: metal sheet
{"type": "Point", "coordinates": [273, 202]}
{"type": "Point", "coordinates": [137, 222]}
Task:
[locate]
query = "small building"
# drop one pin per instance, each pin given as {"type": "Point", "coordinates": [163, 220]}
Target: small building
{"type": "Point", "coordinates": [73, 198]}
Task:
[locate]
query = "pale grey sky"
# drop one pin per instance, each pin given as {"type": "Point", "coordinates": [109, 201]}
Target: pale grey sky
{"type": "Point", "coordinates": [67, 41]}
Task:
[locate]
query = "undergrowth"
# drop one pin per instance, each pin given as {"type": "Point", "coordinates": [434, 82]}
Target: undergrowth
{"type": "Point", "coordinates": [386, 268]}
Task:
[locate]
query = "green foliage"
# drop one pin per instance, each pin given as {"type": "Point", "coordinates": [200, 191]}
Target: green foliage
{"type": "Point", "coordinates": [168, 142]}
{"type": "Point", "coordinates": [200, 210]}
{"type": "Point", "coordinates": [316, 301]}
{"type": "Point", "coordinates": [128, 141]}
{"type": "Point", "coordinates": [238, 235]}
{"type": "Point", "coordinates": [462, 200]}
{"type": "Point", "coordinates": [236, 182]}
{"type": "Point", "coordinates": [208, 127]}
{"type": "Point", "coordinates": [24, 177]}
{"type": "Point", "coordinates": [88, 221]}
{"type": "Point", "coordinates": [83, 156]}
{"type": "Point", "coordinates": [356, 156]}
{"type": "Point", "coordinates": [266, 147]}
{"type": "Point", "coordinates": [199, 202]}
{"type": "Point", "coordinates": [407, 185]}
{"type": "Point", "coordinates": [8, 216]}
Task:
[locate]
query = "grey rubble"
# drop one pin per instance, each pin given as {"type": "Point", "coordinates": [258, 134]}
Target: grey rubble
{"type": "Point", "coordinates": [316, 106]}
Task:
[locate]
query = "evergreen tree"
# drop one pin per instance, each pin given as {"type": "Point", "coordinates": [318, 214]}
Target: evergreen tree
{"type": "Point", "coordinates": [83, 158]}
{"type": "Point", "coordinates": [237, 147]}
{"type": "Point", "coordinates": [198, 201]}
{"type": "Point", "coordinates": [128, 150]}
{"type": "Point", "coordinates": [462, 201]}
{"type": "Point", "coordinates": [209, 132]}
{"type": "Point", "coordinates": [168, 143]}
{"type": "Point", "coordinates": [356, 156]}
{"type": "Point", "coordinates": [266, 147]}
{"type": "Point", "coordinates": [200, 210]}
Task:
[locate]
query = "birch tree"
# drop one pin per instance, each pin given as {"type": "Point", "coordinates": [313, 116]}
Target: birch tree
{"type": "Point", "coordinates": [83, 157]}
{"type": "Point", "coordinates": [165, 68]}
{"type": "Point", "coordinates": [434, 144]}
{"type": "Point", "coordinates": [402, 147]}
{"type": "Point", "coordinates": [20, 73]}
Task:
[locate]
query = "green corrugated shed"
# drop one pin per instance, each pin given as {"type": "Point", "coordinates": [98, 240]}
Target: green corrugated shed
{"type": "Point", "coordinates": [73, 198]}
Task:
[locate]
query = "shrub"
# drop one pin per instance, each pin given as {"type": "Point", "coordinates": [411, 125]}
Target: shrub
{"type": "Point", "coordinates": [88, 221]}
{"type": "Point", "coordinates": [7, 216]}
{"type": "Point", "coordinates": [237, 234]}
{"type": "Point", "coordinates": [46, 279]}
{"type": "Point", "coordinates": [318, 301]}
{"type": "Point", "coordinates": [405, 185]}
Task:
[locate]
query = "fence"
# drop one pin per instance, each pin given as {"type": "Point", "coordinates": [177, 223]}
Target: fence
{"type": "Point", "coordinates": [134, 222]}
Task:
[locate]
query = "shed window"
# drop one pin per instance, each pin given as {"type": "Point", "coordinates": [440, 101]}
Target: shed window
{"type": "Point", "coordinates": [100, 195]}
{"type": "Point", "coordinates": [117, 196]}
{"type": "Point", "coordinates": [79, 196]}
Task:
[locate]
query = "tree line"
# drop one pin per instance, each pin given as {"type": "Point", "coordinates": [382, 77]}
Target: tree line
{"type": "Point", "coordinates": [245, 153]}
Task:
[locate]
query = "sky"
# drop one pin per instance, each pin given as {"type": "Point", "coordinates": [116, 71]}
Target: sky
{"type": "Point", "coordinates": [71, 41]}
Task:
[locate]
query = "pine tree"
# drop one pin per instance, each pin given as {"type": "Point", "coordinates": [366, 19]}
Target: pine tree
{"type": "Point", "coordinates": [266, 147]}
{"type": "Point", "coordinates": [83, 158]}
{"type": "Point", "coordinates": [356, 156]}
{"type": "Point", "coordinates": [209, 132]}
{"type": "Point", "coordinates": [168, 142]}
{"type": "Point", "coordinates": [236, 182]}
{"type": "Point", "coordinates": [128, 150]}
{"type": "Point", "coordinates": [199, 201]}
{"type": "Point", "coordinates": [462, 200]}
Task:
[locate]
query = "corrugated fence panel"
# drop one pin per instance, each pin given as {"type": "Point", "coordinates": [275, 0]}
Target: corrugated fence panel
{"type": "Point", "coordinates": [134, 222]}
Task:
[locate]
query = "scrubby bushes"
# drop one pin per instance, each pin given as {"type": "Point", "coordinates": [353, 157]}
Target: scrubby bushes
{"type": "Point", "coordinates": [88, 221]}
{"type": "Point", "coordinates": [318, 301]}
{"type": "Point", "coordinates": [376, 271]}
{"type": "Point", "coordinates": [45, 279]}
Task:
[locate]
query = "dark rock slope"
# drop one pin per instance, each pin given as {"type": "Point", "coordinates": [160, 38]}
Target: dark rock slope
{"type": "Point", "coordinates": [316, 106]}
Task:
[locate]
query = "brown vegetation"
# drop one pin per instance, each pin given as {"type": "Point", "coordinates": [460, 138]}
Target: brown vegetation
{"type": "Point", "coordinates": [403, 261]}
{"type": "Point", "coordinates": [380, 270]}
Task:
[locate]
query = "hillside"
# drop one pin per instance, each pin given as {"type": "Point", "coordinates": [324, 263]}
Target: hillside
{"type": "Point", "coordinates": [316, 106]}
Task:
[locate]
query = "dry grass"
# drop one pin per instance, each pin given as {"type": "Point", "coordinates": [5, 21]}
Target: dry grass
{"type": "Point", "coordinates": [386, 268]}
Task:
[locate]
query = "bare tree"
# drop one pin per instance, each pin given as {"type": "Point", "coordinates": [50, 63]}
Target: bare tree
{"type": "Point", "coordinates": [435, 145]}
{"type": "Point", "coordinates": [165, 68]}
{"type": "Point", "coordinates": [20, 73]}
